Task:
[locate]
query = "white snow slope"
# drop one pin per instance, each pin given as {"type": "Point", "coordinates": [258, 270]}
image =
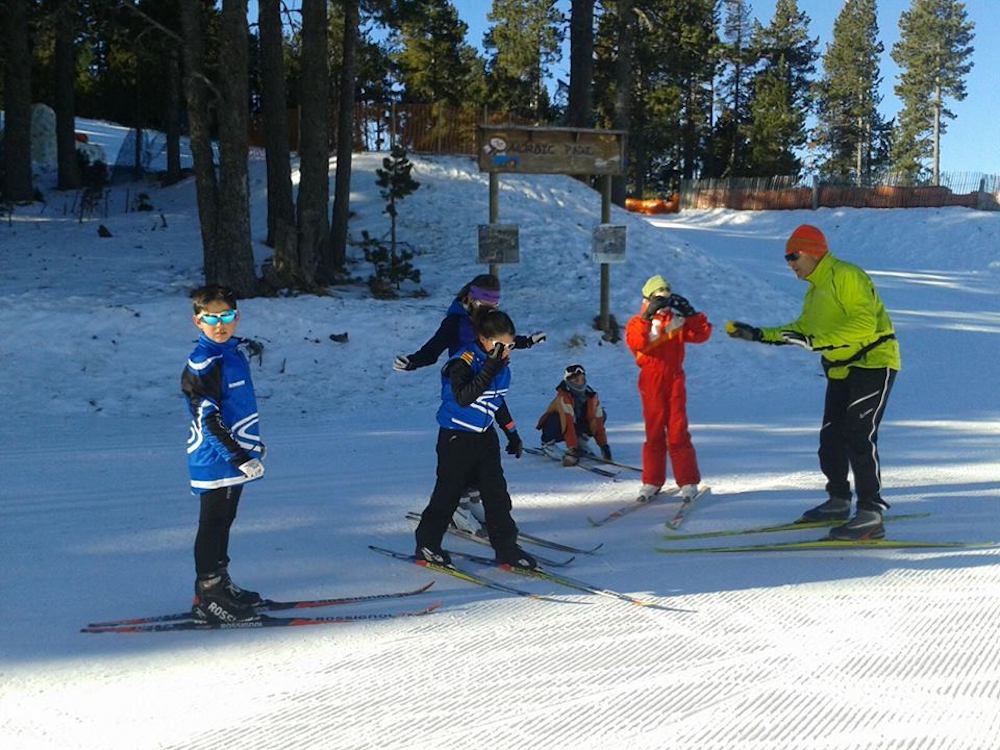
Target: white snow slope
{"type": "Point", "coordinates": [829, 650]}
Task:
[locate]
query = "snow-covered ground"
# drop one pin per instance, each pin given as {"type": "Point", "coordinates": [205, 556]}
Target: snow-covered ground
{"type": "Point", "coordinates": [861, 649]}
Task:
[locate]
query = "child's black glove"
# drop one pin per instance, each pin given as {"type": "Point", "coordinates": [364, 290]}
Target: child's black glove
{"type": "Point", "coordinates": [655, 305]}
{"type": "Point", "coordinates": [515, 446]}
{"type": "Point", "coordinates": [681, 305]}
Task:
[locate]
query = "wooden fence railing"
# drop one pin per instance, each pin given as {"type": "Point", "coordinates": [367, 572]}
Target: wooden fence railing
{"type": "Point", "coordinates": [972, 190]}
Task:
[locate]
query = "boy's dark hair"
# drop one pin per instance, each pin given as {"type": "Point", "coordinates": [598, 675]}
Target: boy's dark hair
{"type": "Point", "coordinates": [492, 323]}
{"type": "Point", "coordinates": [483, 281]}
{"type": "Point", "coordinates": [205, 295]}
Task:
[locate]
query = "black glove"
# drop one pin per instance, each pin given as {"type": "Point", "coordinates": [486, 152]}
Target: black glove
{"type": "Point", "coordinates": [606, 452]}
{"type": "Point", "coordinates": [655, 305]}
{"type": "Point", "coordinates": [253, 350]}
{"type": "Point", "coordinates": [497, 352]}
{"type": "Point", "coordinates": [515, 446]}
{"type": "Point", "coordinates": [681, 305]}
{"type": "Point", "coordinates": [743, 331]}
{"type": "Point", "coordinates": [799, 339]}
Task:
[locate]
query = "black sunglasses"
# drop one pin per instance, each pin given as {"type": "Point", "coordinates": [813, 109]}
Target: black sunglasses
{"type": "Point", "coordinates": [792, 256]}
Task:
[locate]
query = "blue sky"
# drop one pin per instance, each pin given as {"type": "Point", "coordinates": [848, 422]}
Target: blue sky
{"type": "Point", "coordinates": [971, 143]}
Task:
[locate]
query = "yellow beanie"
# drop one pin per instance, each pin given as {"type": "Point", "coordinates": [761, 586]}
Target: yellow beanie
{"type": "Point", "coordinates": [655, 284]}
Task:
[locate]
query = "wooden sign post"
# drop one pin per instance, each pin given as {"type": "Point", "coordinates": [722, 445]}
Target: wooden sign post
{"type": "Point", "coordinates": [515, 149]}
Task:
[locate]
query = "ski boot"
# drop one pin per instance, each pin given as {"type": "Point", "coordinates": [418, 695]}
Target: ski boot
{"type": "Point", "coordinates": [866, 524]}
{"type": "Point", "coordinates": [516, 557]}
{"type": "Point", "coordinates": [647, 492]}
{"type": "Point", "coordinates": [834, 509]}
{"type": "Point", "coordinates": [432, 554]}
{"type": "Point", "coordinates": [214, 603]}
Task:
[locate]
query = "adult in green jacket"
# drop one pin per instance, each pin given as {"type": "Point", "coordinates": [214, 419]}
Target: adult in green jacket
{"type": "Point", "coordinates": [843, 319]}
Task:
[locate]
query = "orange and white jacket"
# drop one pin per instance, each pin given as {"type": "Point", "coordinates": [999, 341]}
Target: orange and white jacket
{"type": "Point", "coordinates": [564, 405]}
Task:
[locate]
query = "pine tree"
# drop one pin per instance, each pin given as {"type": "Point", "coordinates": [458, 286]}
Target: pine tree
{"type": "Point", "coordinates": [525, 39]}
{"type": "Point", "coordinates": [391, 266]}
{"type": "Point", "coordinates": [433, 60]}
{"type": "Point", "coordinates": [739, 60]}
{"type": "Point", "coordinates": [672, 65]}
{"type": "Point", "coordinates": [395, 182]}
{"type": "Point", "coordinates": [777, 126]}
{"type": "Point", "coordinates": [933, 51]}
{"type": "Point", "coordinates": [849, 122]}
{"type": "Point", "coordinates": [783, 91]}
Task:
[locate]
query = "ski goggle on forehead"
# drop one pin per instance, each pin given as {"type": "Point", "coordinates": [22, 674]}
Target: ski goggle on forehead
{"type": "Point", "coordinates": [212, 319]}
{"type": "Point", "coordinates": [573, 370]}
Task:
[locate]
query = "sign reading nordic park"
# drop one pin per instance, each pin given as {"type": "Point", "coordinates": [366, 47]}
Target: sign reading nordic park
{"type": "Point", "coordinates": [529, 150]}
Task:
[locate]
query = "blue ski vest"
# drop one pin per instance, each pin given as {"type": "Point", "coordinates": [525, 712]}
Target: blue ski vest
{"type": "Point", "coordinates": [479, 415]}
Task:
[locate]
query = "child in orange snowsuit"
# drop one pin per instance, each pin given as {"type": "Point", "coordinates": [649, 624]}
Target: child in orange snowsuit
{"type": "Point", "coordinates": [574, 413]}
{"type": "Point", "coordinates": [657, 336]}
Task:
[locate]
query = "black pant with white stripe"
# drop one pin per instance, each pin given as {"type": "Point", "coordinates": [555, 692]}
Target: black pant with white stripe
{"type": "Point", "coordinates": [849, 436]}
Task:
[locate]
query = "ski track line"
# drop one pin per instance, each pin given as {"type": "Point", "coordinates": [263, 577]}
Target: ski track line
{"type": "Point", "coordinates": [507, 676]}
{"type": "Point", "coordinates": [697, 689]}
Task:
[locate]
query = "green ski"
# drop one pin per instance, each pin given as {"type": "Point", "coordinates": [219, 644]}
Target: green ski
{"type": "Point", "coordinates": [827, 544]}
{"type": "Point", "coordinates": [794, 526]}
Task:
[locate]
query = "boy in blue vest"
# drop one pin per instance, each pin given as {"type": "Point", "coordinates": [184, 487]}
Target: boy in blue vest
{"type": "Point", "coordinates": [474, 384]}
{"type": "Point", "coordinates": [224, 449]}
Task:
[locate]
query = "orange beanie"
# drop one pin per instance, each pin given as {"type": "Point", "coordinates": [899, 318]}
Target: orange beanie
{"type": "Point", "coordinates": [807, 239]}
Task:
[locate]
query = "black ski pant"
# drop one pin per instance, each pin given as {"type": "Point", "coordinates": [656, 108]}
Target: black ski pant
{"type": "Point", "coordinates": [211, 544]}
{"type": "Point", "coordinates": [468, 459]}
{"type": "Point", "coordinates": [849, 436]}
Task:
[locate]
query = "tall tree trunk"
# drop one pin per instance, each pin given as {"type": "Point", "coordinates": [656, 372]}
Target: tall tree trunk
{"type": "Point", "coordinates": [173, 117]}
{"type": "Point", "coordinates": [688, 134]}
{"type": "Point", "coordinates": [581, 64]}
{"type": "Point", "coordinates": [235, 243]}
{"type": "Point", "coordinates": [280, 205]}
{"type": "Point", "coordinates": [198, 94]}
{"type": "Point", "coordinates": [858, 161]}
{"type": "Point", "coordinates": [17, 103]}
{"type": "Point", "coordinates": [223, 204]}
{"type": "Point", "coordinates": [937, 135]}
{"type": "Point", "coordinates": [65, 85]}
{"type": "Point", "coordinates": [314, 140]}
{"type": "Point", "coordinates": [623, 90]}
{"type": "Point", "coordinates": [336, 258]}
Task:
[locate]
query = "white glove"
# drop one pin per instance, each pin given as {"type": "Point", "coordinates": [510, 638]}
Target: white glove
{"type": "Point", "coordinates": [402, 363]}
{"type": "Point", "coordinates": [252, 469]}
{"type": "Point", "coordinates": [537, 337]}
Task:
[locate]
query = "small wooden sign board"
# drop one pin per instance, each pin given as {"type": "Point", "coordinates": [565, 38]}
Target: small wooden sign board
{"type": "Point", "coordinates": [498, 243]}
{"type": "Point", "coordinates": [528, 150]}
{"type": "Point", "coordinates": [608, 243]}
